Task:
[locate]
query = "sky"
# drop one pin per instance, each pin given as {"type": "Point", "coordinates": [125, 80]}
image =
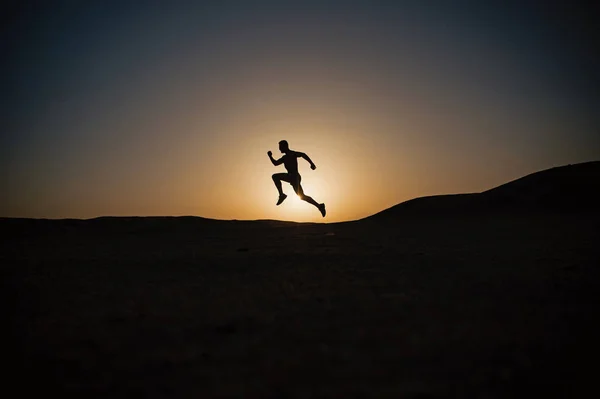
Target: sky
{"type": "Point", "coordinates": [133, 108]}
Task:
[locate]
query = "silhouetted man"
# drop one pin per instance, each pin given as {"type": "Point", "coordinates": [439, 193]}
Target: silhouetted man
{"type": "Point", "coordinates": [290, 161]}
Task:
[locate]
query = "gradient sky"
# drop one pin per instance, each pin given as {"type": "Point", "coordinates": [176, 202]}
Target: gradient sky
{"type": "Point", "coordinates": [167, 108]}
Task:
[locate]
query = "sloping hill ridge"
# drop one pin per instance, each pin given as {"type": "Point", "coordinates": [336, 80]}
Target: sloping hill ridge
{"type": "Point", "coordinates": [569, 188]}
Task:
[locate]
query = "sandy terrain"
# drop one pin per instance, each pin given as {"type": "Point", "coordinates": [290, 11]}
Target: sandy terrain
{"type": "Point", "coordinates": [484, 307]}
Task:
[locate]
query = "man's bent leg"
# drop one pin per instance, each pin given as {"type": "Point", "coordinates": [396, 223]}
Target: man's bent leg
{"type": "Point", "coordinates": [277, 178]}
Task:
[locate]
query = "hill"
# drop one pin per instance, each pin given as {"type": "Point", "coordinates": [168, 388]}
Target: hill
{"type": "Point", "coordinates": [569, 188]}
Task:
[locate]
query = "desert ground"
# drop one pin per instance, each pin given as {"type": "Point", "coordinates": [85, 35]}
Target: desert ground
{"type": "Point", "coordinates": [488, 305]}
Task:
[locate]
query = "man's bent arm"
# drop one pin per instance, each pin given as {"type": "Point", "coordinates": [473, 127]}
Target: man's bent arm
{"type": "Point", "coordinates": [275, 161]}
{"type": "Point", "coordinates": [303, 155]}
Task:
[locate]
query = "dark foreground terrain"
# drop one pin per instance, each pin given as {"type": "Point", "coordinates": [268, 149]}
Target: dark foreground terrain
{"type": "Point", "coordinates": [490, 295]}
{"type": "Point", "coordinates": [493, 307]}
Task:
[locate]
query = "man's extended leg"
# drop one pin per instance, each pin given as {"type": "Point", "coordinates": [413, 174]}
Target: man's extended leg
{"type": "Point", "coordinates": [310, 200]}
{"type": "Point", "coordinates": [277, 178]}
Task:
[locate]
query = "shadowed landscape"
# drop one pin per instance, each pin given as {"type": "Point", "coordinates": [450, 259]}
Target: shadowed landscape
{"type": "Point", "coordinates": [483, 295]}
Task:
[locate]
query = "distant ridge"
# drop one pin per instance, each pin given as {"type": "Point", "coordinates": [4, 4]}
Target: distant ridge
{"type": "Point", "coordinates": [570, 188]}
{"type": "Point", "coordinates": [130, 224]}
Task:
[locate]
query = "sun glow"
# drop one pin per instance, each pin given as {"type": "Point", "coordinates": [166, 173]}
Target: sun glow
{"type": "Point", "coordinates": [294, 202]}
{"type": "Point", "coordinates": [295, 208]}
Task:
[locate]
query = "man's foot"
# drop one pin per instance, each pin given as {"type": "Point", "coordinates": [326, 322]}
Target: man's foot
{"type": "Point", "coordinates": [282, 198]}
{"type": "Point", "coordinates": [322, 209]}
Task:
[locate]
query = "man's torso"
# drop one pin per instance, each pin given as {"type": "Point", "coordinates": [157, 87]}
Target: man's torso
{"type": "Point", "coordinates": [290, 161]}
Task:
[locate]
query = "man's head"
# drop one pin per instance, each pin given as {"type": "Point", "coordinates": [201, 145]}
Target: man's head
{"type": "Point", "coordinates": [283, 146]}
